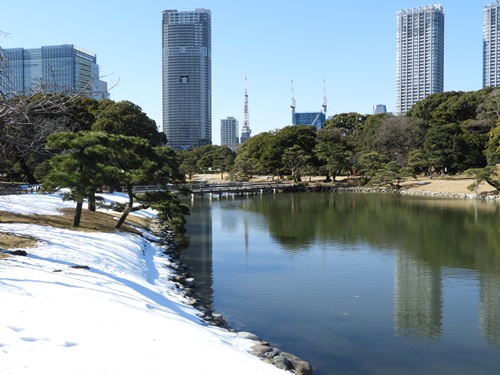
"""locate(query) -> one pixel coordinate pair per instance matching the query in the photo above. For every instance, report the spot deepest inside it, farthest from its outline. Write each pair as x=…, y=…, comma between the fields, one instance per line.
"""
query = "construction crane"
x=324, y=97
x=323, y=106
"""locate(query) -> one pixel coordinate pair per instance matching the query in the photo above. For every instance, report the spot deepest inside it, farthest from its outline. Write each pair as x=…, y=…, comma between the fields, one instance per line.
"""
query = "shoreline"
x=423, y=193
x=427, y=185
x=186, y=286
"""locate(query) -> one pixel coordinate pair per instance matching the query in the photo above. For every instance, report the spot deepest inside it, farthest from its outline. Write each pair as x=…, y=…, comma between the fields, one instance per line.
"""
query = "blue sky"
x=349, y=44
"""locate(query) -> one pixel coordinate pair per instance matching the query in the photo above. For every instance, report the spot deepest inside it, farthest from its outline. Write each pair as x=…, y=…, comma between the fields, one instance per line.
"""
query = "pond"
x=356, y=283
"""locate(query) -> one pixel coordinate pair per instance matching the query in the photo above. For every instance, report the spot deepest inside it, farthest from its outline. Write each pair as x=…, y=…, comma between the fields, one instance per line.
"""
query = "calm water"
x=356, y=283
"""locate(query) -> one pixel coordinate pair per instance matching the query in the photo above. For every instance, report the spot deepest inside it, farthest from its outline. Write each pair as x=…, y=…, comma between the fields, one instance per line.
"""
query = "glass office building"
x=419, y=54
x=378, y=109
x=491, y=46
x=63, y=69
x=187, y=78
x=316, y=119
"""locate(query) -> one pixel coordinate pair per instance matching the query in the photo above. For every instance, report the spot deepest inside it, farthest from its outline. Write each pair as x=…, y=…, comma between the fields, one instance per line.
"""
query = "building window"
x=184, y=79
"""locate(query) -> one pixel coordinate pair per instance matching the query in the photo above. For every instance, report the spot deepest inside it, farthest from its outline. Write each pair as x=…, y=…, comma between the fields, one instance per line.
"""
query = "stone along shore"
x=425, y=193
x=187, y=286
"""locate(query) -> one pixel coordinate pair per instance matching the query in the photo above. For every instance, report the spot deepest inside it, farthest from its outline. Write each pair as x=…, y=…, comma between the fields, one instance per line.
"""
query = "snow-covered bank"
x=122, y=315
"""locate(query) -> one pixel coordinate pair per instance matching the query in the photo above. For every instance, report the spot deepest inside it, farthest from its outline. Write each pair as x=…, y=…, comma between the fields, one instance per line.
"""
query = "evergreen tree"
x=81, y=166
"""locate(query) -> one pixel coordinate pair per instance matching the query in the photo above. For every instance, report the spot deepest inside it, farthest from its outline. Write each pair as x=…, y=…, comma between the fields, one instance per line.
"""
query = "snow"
x=122, y=315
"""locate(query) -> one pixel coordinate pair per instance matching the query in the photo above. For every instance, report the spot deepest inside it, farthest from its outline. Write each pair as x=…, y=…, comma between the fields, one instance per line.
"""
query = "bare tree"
x=397, y=136
x=27, y=118
x=25, y=123
x=489, y=108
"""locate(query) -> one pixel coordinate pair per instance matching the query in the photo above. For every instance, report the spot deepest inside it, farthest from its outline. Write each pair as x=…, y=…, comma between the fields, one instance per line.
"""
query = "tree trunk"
x=78, y=214
x=297, y=177
x=91, y=205
x=125, y=213
x=493, y=183
x=30, y=177
x=128, y=207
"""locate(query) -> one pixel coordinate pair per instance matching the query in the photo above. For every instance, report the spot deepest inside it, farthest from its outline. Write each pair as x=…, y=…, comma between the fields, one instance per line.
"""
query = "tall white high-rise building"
x=229, y=132
x=187, y=78
x=491, y=46
x=419, y=54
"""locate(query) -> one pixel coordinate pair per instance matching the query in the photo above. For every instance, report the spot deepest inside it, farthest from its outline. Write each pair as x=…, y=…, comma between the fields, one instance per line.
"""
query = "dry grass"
x=90, y=222
x=12, y=241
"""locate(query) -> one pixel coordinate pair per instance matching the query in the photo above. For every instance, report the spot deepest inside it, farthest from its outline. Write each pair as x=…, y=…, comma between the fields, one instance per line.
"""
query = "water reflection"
x=200, y=256
x=434, y=245
x=417, y=297
x=490, y=307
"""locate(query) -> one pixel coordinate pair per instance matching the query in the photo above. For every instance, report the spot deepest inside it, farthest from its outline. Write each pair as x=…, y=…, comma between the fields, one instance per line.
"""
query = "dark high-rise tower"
x=187, y=78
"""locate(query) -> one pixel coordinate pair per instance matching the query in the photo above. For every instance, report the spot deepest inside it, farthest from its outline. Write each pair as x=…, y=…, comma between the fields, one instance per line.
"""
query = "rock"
x=218, y=319
x=190, y=282
x=281, y=362
x=302, y=368
x=80, y=267
x=19, y=252
x=248, y=335
x=273, y=353
x=299, y=366
x=261, y=350
x=180, y=279
x=291, y=357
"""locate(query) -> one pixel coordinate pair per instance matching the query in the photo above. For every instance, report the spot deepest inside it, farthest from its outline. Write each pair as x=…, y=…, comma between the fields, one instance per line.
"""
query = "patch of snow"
x=122, y=315
x=25, y=204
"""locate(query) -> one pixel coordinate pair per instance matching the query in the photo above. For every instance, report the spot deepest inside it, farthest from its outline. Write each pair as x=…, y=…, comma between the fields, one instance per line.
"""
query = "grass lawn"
x=90, y=222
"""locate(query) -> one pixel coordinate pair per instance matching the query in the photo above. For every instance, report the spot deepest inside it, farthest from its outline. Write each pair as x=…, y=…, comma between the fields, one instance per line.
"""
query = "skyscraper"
x=491, y=47
x=187, y=78
x=229, y=132
x=419, y=54
x=55, y=69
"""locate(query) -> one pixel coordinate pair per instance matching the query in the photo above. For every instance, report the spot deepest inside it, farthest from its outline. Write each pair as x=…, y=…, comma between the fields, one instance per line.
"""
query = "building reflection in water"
x=418, y=304
x=198, y=256
x=490, y=307
x=417, y=297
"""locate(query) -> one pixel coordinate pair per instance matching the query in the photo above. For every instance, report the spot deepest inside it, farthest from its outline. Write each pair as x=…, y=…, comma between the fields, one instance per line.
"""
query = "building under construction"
x=316, y=119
